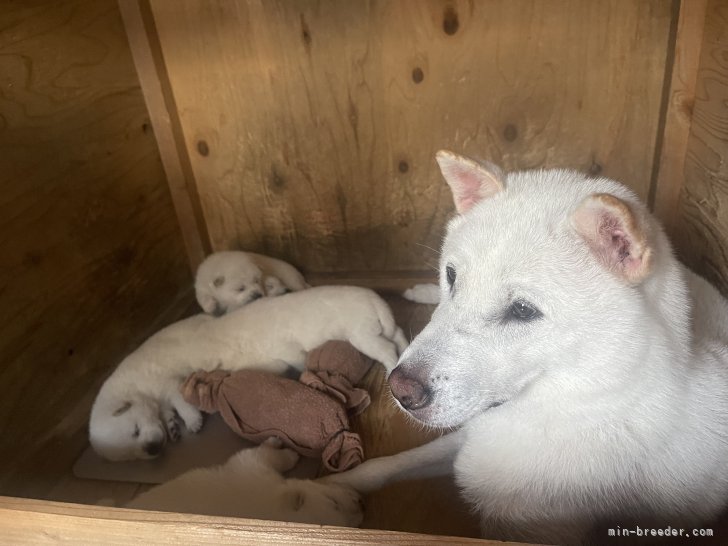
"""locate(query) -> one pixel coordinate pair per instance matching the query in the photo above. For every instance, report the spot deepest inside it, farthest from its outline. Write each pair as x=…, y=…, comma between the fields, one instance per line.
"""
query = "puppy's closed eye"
x=123, y=409
x=218, y=282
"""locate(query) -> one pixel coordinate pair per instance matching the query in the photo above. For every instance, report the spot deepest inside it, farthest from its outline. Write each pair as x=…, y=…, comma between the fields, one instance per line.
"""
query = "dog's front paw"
x=171, y=424
x=190, y=415
x=274, y=287
x=278, y=457
x=349, y=503
x=326, y=504
x=193, y=422
x=274, y=442
x=173, y=430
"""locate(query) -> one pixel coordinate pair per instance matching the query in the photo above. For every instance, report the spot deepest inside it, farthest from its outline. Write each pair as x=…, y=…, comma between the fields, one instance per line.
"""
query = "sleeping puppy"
x=136, y=410
x=250, y=485
x=231, y=279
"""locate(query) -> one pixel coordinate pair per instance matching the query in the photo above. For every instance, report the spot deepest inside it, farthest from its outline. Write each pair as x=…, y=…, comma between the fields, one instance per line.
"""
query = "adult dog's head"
x=126, y=426
x=542, y=292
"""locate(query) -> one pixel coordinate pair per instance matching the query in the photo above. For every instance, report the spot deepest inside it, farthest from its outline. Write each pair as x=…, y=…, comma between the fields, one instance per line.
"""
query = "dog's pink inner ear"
x=469, y=181
x=614, y=235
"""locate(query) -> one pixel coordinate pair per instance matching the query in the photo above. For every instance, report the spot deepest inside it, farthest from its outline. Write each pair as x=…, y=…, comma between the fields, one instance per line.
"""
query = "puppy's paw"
x=276, y=456
x=348, y=502
x=173, y=430
x=274, y=442
x=316, y=502
x=274, y=287
x=193, y=423
x=171, y=424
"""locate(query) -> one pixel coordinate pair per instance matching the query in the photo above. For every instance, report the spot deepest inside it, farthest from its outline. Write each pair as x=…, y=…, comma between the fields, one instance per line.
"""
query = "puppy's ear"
x=122, y=409
x=615, y=236
x=469, y=181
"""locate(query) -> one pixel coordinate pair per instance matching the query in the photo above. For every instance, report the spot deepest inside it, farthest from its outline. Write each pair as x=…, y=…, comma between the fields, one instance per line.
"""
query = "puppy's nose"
x=409, y=390
x=255, y=296
x=153, y=448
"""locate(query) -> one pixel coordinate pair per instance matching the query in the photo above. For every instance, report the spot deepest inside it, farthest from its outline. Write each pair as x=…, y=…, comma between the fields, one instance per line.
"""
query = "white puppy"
x=250, y=485
x=563, y=347
x=423, y=293
x=134, y=412
x=230, y=279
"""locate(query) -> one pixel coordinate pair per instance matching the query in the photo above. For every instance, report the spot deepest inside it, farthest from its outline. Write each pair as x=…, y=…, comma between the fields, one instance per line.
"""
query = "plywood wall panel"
x=669, y=171
x=701, y=233
x=312, y=125
x=92, y=258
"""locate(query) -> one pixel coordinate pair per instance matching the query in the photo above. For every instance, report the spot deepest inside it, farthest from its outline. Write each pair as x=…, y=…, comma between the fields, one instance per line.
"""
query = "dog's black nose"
x=409, y=390
x=153, y=448
x=255, y=296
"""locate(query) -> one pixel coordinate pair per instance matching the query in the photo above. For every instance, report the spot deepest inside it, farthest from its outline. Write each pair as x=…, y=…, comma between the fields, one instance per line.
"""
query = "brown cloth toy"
x=308, y=416
x=335, y=368
x=257, y=405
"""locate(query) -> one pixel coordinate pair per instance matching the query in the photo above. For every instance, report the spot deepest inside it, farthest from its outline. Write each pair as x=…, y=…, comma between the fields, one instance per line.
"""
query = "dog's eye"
x=218, y=282
x=136, y=432
x=522, y=310
x=241, y=288
x=451, y=275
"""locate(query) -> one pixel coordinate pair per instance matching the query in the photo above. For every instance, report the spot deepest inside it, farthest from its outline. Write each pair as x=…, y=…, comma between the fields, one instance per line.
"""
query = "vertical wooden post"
x=150, y=66
x=669, y=172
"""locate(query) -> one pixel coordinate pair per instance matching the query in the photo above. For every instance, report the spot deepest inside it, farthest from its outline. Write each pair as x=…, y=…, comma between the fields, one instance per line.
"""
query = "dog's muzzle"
x=153, y=449
x=255, y=296
x=409, y=390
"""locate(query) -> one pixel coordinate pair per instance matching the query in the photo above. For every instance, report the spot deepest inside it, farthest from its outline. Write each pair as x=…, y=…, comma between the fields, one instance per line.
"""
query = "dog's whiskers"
x=429, y=248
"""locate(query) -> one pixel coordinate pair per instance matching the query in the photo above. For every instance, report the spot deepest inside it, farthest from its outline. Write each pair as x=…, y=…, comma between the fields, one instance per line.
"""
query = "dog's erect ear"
x=469, y=181
x=122, y=409
x=615, y=236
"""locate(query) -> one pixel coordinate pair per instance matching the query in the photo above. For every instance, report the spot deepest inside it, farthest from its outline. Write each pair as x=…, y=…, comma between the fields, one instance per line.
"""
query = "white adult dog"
x=250, y=485
x=231, y=279
x=134, y=413
x=586, y=367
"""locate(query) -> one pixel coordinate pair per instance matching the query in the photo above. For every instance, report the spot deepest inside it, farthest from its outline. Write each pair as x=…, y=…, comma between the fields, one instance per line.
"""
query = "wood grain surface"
x=701, y=233
x=669, y=172
x=150, y=68
x=26, y=521
x=312, y=125
x=92, y=258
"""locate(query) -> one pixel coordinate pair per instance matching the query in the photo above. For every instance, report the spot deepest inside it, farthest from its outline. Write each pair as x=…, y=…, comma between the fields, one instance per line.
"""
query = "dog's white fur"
x=250, y=485
x=134, y=412
x=609, y=409
x=426, y=293
x=230, y=279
